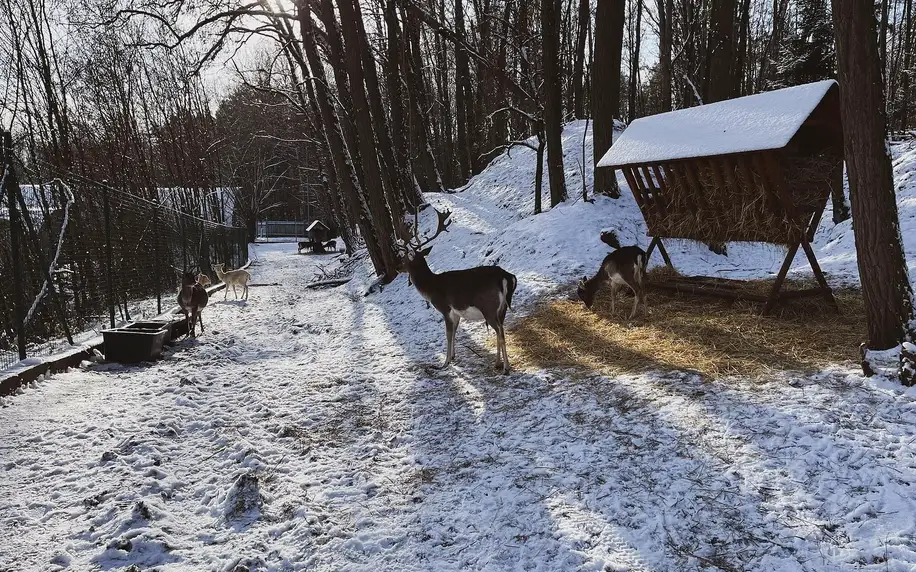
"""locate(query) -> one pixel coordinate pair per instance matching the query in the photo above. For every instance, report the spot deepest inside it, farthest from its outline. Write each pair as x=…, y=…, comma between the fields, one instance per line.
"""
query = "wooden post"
x=108, y=257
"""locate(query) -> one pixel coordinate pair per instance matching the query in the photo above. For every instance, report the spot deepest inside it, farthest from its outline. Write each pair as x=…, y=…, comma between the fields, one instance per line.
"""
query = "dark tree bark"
x=720, y=75
x=343, y=164
x=882, y=266
x=553, y=107
x=665, y=9
x=376, y=180
x=609, y=23
x=744, y=39
x=907, y=62
x=464, y=99
x=634, y=63
x=579, y=62
x=882, y=39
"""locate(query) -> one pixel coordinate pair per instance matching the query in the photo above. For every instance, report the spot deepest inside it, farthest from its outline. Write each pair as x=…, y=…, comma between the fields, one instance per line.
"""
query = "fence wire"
x=106, y=257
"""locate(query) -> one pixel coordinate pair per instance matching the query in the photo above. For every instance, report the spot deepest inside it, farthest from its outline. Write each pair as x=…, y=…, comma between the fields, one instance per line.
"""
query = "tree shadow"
x=685, y=470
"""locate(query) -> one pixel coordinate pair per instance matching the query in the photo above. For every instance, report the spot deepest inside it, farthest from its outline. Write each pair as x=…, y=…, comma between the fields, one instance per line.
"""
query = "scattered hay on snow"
x=714, y=337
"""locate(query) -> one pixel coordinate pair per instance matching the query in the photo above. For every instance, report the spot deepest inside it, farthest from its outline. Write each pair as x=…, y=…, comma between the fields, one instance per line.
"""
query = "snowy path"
x=364, y=461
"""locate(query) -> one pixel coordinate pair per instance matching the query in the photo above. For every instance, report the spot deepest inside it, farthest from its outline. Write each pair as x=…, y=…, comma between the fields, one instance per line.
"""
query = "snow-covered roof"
x=759, y=122
x=314, y=224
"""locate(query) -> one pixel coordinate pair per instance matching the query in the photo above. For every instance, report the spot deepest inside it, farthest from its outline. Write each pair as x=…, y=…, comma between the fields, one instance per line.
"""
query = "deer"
x=192, y=298
x=479, y=293
x=203, y=280
x=233, y=278
x=624, y=266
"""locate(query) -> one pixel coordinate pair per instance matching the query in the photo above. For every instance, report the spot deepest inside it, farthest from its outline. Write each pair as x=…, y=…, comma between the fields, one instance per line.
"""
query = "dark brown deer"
x=624, y=266
x=480, y=293
x=192, y=297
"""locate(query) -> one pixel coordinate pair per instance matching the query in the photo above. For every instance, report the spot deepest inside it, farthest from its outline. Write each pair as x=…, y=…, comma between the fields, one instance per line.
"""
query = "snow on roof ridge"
x=757, y=122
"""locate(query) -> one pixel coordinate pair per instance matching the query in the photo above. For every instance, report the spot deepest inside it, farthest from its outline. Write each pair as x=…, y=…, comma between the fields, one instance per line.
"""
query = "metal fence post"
x=157, y=258
x=12, y=189
x=108, y=257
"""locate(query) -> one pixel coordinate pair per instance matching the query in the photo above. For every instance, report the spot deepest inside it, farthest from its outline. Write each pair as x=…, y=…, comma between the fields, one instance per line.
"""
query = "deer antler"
x=441, y=226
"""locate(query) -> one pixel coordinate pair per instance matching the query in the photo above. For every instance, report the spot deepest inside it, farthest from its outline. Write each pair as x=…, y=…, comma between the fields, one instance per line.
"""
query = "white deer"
x=233, y=278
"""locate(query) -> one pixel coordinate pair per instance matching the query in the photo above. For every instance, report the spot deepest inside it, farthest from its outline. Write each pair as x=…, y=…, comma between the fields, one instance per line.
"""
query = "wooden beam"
x=780, y=278
x=819, y=276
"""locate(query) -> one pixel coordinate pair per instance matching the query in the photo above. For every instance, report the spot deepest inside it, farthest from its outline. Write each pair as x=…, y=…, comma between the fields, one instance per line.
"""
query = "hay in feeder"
x=729, y=207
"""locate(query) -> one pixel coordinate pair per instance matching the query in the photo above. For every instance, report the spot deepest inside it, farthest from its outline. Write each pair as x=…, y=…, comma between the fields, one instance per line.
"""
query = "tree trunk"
x=721, y=50
x=539, y=171
x=744, y=38
x=665, y=15
x=334, y=138
x=579, y=63
x=609, y=23
x=553, y=107
x=882, y=266
x=464, y=100
x=907, y=62
x=634, y=63
x=882, y=40
x=376, y=180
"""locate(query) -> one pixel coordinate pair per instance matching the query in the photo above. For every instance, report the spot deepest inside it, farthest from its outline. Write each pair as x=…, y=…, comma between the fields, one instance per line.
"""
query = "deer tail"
x=509, y=284
x=640, y=270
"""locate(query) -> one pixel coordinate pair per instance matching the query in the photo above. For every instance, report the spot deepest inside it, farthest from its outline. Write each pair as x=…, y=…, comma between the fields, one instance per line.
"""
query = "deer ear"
x=425, y=252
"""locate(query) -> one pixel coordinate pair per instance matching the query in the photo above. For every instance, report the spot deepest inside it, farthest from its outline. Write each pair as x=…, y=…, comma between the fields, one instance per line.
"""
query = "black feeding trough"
x=137, y=341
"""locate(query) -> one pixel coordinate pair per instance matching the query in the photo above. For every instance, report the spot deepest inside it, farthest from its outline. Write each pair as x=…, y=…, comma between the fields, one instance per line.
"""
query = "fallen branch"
x=327, y=283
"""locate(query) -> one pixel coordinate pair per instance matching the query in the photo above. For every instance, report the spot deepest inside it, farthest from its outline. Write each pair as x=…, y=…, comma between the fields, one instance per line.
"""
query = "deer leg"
x=200, y=318
x=226, y=292
x=193, y=323
x=450, y=327
x=501, y=347
x=636, y=297
x=613, y=298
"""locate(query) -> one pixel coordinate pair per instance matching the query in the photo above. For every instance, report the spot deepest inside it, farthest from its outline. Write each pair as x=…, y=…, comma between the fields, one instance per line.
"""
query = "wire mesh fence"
x=90, y=256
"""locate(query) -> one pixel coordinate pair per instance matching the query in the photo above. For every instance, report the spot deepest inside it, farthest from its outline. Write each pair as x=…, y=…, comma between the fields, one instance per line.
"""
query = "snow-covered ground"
x=304, y=431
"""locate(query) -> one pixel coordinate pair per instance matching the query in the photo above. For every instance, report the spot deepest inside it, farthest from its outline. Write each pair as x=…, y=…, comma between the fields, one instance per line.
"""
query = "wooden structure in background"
x=758, y=169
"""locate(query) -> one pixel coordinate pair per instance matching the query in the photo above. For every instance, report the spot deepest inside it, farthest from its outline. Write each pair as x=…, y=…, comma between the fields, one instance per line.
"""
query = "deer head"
x=585, y=293
x=416, y=247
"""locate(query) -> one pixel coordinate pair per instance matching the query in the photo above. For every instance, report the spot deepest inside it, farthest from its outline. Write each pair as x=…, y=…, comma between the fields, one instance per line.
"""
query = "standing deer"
x=192, y=297
x=480, y=293
x=623, y=266
x=233, y=278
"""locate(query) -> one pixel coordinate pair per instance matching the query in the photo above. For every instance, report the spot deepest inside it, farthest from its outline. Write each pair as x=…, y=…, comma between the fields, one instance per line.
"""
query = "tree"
x=882, y=266
x=609, y=23
x=808, y=55
x=720, y=70
x=553, y=107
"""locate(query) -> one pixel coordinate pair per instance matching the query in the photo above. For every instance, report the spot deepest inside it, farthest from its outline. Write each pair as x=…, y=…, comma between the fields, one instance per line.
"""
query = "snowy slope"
x=492, y=224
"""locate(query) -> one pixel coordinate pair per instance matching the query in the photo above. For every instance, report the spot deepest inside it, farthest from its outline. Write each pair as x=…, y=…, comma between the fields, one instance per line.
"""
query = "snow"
x=304, y=430
x=758, y=122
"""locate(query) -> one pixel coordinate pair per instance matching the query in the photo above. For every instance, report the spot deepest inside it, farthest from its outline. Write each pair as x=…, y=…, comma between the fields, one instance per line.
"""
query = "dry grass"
x=732, y=208
x=714, y=337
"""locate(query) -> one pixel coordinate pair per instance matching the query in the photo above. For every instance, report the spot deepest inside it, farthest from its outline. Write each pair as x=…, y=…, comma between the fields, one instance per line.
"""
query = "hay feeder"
x=754, y=169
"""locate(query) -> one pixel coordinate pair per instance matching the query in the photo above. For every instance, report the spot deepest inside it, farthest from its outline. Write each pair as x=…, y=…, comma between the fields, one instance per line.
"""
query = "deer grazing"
x=233, y=278
x=192, y=298
x=623, y=266
x=480, y=293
